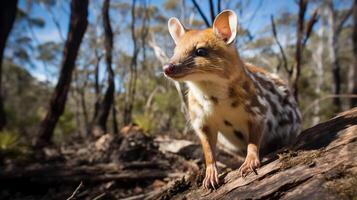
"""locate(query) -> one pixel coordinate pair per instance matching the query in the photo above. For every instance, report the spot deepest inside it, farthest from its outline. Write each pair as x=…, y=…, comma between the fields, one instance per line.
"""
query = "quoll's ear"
x=225, y=25
x=176, y=29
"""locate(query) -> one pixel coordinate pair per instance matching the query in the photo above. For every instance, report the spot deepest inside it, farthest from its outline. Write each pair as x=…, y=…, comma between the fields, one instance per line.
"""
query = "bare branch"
x=331, y=96
x=310, y=24
x=283, y=55
x=211, y=8
x=219, y=2
x=201, y=13
x=75, y=191
x=343, y=21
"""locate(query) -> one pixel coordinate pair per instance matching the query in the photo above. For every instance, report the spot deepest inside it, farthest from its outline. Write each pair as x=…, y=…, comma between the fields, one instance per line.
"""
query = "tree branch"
x=211, y=8
x=219, y=6
x=201, y=13
x=312, y=21
x=75, y=191
x=331, y=96
x=283, y=55
x=343, y=21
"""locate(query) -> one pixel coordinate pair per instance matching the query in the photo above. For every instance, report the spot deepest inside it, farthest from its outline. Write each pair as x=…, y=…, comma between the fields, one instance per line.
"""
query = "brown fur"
x=226, y=95
x=194, y=39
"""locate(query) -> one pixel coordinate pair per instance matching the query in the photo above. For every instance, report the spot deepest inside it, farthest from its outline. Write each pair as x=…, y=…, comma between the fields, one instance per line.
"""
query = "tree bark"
x=101, y=119
x=77, y=27
x=7, y=19
x=354, y=39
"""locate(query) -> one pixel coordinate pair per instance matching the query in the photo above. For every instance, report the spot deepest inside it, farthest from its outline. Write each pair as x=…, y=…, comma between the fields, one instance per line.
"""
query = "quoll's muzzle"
x=172, y=70
x=169, y=69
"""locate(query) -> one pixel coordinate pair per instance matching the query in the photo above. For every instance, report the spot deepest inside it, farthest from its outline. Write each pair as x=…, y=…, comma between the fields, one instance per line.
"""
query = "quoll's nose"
x=169, y=69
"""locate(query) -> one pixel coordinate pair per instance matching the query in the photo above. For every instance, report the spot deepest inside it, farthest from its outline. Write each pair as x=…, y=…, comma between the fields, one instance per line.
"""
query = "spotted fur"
x=247, y=108
x=260, y=101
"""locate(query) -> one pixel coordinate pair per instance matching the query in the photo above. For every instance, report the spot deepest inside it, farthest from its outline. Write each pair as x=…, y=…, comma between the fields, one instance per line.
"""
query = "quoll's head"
x=203, y=54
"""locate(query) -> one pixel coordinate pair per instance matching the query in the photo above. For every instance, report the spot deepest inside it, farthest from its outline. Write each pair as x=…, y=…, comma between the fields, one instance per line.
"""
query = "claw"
x=255, y=171
x=213, y=184
x=211, y=179
x=216, y=179
x=250, y=164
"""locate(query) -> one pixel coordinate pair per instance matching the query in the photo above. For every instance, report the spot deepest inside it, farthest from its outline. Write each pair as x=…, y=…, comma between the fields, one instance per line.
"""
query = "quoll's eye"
x=201, y=52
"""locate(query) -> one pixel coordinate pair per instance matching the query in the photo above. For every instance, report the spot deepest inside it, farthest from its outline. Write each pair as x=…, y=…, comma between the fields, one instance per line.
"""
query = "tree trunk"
x=7, y=18
x=84, y=105
x=317, y=56
x=335, y=66
x=299, y=47
x=144, y=33
x=96, y=85
x=77, y=112
x=354, y=38
x=115, y=120
x=130, y=97
x=77, y=27
x=100, y=120
x=81, y=103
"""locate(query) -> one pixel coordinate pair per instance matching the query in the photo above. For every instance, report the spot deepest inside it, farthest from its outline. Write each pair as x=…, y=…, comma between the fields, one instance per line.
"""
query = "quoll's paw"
x=211, y=179
x=250, y=164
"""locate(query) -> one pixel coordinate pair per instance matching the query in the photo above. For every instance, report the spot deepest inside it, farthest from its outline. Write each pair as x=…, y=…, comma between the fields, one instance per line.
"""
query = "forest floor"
x=321, y=164
x=126, y=166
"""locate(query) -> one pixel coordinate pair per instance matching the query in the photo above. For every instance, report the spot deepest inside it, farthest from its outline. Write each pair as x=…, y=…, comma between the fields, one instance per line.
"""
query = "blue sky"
x=246, y=19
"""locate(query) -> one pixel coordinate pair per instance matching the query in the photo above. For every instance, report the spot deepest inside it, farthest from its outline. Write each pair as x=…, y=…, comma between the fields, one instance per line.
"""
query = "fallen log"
x=321, y=164
x=60, y=174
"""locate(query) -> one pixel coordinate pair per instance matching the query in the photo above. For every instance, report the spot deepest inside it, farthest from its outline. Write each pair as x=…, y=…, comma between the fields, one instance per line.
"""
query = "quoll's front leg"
x=208, y=139
x=252, y=161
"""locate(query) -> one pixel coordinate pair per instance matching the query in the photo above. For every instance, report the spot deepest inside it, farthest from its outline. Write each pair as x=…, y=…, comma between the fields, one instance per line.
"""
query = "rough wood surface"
x=322, y=164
